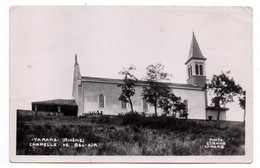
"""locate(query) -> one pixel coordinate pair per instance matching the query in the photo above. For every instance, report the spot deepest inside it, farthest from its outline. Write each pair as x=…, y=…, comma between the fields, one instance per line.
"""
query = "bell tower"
x=196, y=64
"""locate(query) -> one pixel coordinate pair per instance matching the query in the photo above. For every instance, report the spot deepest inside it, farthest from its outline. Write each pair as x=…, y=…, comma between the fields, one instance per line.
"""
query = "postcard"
x=131, y=84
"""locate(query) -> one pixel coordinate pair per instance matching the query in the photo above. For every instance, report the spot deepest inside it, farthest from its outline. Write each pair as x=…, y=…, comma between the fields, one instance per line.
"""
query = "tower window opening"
x=201, y=70
x=197, y=69
x=190, y=71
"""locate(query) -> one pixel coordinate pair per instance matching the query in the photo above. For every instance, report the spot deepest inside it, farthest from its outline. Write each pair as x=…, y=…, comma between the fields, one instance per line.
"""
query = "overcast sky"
x=43, y=41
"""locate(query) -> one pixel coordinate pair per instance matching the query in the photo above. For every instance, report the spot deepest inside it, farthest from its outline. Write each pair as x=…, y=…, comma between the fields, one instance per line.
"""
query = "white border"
x=247, y=158
x=4, y=121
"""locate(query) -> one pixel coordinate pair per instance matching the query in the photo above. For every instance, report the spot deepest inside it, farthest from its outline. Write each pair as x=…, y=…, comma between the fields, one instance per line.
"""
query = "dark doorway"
x=210, y=118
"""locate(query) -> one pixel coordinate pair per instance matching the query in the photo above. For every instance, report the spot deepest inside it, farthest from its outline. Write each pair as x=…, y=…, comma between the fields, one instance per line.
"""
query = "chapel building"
x=102, y=94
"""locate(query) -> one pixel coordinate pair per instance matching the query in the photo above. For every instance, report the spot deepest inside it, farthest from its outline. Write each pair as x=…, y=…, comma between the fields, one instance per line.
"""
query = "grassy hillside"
x=128, y=135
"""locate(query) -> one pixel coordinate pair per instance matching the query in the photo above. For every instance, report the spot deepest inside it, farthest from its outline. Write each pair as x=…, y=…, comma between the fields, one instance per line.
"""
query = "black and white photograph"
x=144, y=84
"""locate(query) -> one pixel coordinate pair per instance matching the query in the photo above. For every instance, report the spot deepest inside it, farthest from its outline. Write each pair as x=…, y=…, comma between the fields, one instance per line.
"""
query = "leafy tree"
x=172, y=104
x=224, y=89
x=242, y=100
x=156, y=89
x=128, y=87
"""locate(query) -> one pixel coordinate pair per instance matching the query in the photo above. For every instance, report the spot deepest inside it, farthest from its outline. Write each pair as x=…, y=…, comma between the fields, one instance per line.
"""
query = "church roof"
x=195, y=52
x=68, y=102
x=139, y=82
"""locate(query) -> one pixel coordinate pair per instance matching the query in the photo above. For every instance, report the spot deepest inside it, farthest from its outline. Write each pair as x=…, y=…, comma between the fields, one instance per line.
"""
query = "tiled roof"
x=215, y=108
x=139, y=82
x=68, y=102
x=195, y=52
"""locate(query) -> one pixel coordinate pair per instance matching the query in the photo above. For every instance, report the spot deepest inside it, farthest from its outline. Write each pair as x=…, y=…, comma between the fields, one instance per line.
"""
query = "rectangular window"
x=123, y=105
x=145, y=105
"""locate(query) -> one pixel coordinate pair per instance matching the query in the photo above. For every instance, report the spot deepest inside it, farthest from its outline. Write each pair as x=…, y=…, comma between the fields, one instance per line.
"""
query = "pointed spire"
x=195, y=49
x=76, y=79
x=76, y=59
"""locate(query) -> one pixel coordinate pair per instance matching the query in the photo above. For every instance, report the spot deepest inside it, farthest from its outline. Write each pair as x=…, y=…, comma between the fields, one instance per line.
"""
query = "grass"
x=129, y=135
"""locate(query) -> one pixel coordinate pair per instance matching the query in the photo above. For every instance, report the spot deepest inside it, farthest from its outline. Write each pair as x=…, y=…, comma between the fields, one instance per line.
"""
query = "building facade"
x=102, y=94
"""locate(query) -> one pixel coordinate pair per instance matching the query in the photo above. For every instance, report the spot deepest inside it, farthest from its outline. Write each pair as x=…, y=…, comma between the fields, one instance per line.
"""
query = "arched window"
x=145, y=105
x=197, y=69
x=186, y=104
x=101, y=100
x=123, y=105
x=185, y=111
x=201, y=70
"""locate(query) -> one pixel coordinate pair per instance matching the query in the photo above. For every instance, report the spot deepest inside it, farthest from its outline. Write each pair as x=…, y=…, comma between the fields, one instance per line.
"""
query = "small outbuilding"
x=212, y=113
x=67, y=107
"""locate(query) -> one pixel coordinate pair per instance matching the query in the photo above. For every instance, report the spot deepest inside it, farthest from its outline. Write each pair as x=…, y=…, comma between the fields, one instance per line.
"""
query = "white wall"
x=214, y=114
x=196, y=102
x=91, y=92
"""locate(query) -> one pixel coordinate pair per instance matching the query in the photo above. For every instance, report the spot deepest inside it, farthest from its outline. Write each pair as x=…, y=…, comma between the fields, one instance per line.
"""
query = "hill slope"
x=127, y=135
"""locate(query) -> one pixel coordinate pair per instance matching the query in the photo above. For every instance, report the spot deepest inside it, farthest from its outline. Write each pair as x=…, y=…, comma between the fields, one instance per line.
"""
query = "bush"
x=153, y=122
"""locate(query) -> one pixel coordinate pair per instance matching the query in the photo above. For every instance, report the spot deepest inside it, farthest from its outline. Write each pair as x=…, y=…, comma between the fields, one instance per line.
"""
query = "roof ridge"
x=58, y=101
x=141, y=81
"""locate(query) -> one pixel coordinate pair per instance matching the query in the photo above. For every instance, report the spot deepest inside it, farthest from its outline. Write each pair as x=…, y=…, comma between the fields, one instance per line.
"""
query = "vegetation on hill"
x=129, y=134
